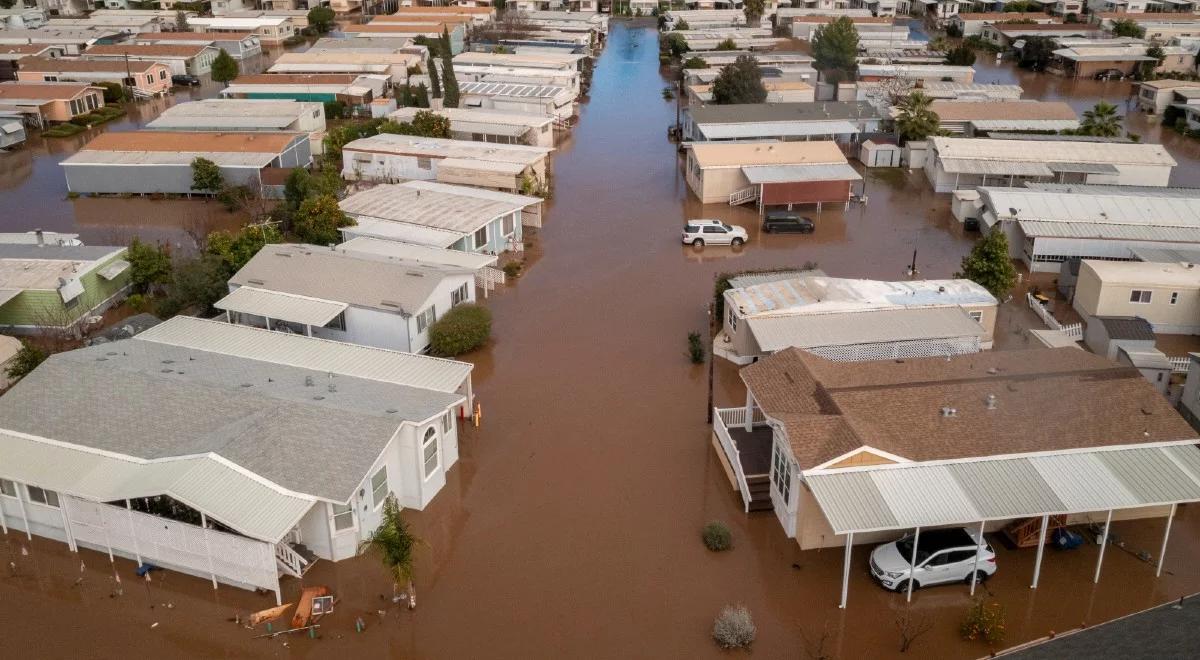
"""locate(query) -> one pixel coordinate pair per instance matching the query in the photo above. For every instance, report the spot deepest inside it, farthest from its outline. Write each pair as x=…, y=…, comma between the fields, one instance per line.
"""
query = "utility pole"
x=708, y=415
x=128, y=75
x=912, y=270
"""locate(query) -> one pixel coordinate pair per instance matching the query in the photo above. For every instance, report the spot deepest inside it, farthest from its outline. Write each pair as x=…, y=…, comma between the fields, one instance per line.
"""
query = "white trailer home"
x=226, y=452
x=391, y=158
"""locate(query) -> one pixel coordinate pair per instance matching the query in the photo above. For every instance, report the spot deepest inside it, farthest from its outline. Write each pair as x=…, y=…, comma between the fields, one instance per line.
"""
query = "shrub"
x=695, y=348
x=717, y=536
x=695, y=63
x=462, y=329
x=335, y=109
x=512, y=269
x=26, y=360
x=734, y=629
x=983, y=621
x=63, y=130
x=139, y=303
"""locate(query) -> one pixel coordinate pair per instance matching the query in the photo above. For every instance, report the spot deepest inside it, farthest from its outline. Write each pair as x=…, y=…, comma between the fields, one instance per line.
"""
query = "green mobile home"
x=55, y=287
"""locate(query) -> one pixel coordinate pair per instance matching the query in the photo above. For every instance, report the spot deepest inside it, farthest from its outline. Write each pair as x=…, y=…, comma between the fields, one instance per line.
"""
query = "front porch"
x=745, y=450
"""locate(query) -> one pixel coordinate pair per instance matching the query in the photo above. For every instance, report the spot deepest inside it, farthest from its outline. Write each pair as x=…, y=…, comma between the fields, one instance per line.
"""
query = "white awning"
x=800, y=173
x=113, y=270
x=905, y=496
x=8, y=294
x=776, y=129
x=995, y=167
x=281, y=306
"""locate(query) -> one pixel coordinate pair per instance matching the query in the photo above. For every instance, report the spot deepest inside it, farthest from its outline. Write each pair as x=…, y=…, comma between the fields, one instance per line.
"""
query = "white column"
x=107, y=540
x=912, y=565
x=207, y=550
x=227, y=317
x=1162, y=553
x=24, y=514
x=749, y=410
x=846, y=569
x=268, y=321
x=137, y=553
x=978, y=551
x=278, y=592
x=1103, y=545
x=3, y=522
x=307, y=330
x=1037, y=565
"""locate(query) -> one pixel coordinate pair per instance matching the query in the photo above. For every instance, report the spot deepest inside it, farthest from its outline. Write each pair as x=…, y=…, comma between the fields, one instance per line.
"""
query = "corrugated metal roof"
x=1110, y=231
x=777, y=128
x=281, y=306
x=775, y=333
x=457, y=209
x=510, y=89
x=1024, y=124
x=904, y=496
x=409, y=252
x=1027, y=149
x=322, y=355
x=995, y=167
x=221, y=158
x=402, y=232
x=800, y=173
x=205, y=483
x=217, y=122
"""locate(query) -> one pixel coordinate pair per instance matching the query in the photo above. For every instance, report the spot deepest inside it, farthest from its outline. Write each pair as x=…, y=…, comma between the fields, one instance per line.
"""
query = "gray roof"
x=750, y=279
x=1126, y=327
x=57, y=252
x=150, y=400
x=775, y=333
x=1127, y=191
x=781, y=112
x=1167, y=632
x=459, y=210
x=1166, y=255
x=339, y=276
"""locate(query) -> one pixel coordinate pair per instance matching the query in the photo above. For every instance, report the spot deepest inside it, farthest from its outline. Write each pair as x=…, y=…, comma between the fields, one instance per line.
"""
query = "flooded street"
x=570, y=527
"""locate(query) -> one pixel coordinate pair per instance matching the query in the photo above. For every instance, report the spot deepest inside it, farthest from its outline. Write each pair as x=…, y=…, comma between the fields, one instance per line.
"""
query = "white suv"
x=700, y=232
x=943, y=555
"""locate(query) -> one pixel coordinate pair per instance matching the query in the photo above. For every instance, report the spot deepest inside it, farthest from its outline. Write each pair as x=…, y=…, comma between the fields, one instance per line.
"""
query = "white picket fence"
x=1073, y=330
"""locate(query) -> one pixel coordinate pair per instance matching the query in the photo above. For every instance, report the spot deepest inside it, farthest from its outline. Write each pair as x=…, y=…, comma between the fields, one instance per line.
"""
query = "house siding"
x=41, y=307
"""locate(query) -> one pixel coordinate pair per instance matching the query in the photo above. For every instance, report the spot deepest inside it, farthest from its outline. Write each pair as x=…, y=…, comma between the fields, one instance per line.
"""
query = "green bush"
x=462, y=329
x=63, y=130
x=512, y=269
x=983, y=622
x=26, y=360
x=695, y=348
x=717, y=536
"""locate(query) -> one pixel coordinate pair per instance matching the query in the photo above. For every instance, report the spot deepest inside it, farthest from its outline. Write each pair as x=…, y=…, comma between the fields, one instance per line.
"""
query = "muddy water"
x=570, y=526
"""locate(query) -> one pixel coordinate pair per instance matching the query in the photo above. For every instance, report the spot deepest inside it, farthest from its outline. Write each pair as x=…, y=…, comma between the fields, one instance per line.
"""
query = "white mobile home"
x=393, y=158
x=494, y=127
x=544, y=100
x=246, y=115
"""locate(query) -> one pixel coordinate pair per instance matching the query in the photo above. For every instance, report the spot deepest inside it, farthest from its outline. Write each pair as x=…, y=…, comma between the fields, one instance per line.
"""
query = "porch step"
x=309, y=556
x=760, y=492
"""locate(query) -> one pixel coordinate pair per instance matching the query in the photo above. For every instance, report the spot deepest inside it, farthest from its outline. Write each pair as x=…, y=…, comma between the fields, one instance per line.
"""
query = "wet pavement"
x=571, y=525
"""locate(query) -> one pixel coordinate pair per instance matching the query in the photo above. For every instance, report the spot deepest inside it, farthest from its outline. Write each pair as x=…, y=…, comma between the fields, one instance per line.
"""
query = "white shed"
x=879, y=154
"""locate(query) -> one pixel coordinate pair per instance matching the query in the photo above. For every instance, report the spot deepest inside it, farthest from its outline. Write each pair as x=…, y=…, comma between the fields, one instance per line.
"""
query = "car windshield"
x=905, y=546
x=727, y=227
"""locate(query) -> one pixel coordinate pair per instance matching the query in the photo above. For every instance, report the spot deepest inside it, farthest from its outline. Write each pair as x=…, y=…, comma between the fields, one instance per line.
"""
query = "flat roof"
x=776, y=129
x=44, y=267
x=192, y=36
x=280, y=112
x=478, y=116
x=191, y=142
x=1009, y=110
x=750, y=113
x=1041, y=151
x=515, y=90
x=775, y=333
x=1144, y=272
x=1091, y=207
x=459, y=210
x=738, y=154
x=813, y=294
x=387, y=143
x=281, y=306
x=419, y=254
x=296, y=79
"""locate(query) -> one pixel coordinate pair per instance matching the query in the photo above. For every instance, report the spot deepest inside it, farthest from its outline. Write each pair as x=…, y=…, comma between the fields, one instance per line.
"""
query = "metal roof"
x=456, y=209
x=1028, y=149
x=1024, y=124
x=775, y=333
x=1166, y=255
x=206, y=483
x=904, y=496
x=995, y=167
x=1083, y=168
x=757, y=113
x=1106, y=189
x=510, y=89
x=1109, y=231
x=411, y=253
x=281, y=306
x=816, y=294
x=257, y=160
x=330, y=357
x=1092, y=206
x=779, y=128
x=402, y=232
x=757, y=174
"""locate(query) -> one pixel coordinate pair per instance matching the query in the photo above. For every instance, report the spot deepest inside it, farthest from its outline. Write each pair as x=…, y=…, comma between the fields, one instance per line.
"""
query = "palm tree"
x=1101, y=121
x=394, y=543
x=916, y=120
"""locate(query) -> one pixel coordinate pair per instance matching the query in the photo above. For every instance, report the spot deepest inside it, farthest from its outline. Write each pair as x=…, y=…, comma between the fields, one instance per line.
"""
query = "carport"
x=980, y=490
x=805, y=183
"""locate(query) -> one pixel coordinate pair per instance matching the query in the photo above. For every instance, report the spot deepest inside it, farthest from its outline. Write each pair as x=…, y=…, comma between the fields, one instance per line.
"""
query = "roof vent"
x=391, y=411
x=949, y=412
x=255, y=282
x=990, y=402
x=246, y=385
x=332, y=387
x=389, y=303
x=308, y=381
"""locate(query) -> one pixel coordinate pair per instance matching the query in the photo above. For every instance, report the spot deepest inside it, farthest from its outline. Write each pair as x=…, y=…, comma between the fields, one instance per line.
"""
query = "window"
x=343, y=517
x=459, y=295
x=149, y=79
x=1174, y=297
x=481, y=237
x=379, y=486
x=957, y=556
x=447, y=422
x=429, y=450
x=8, y=488
x=508, y=225
x=1140, y=297
x=42, y=496
x=732, y=320
x=92, y=103
x=424, y=163
x=426, y=319
x=976, y=316
x=129, y=82
x=50, y=78
x=781, y=474
x=477, y=137
x=713, y=229
x=338, y=322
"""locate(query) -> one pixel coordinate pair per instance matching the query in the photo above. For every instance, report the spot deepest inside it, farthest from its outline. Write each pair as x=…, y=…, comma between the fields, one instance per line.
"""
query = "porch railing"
x=1073, y=330
x=289, y=560
x=723, y=419
x=1179, y=365
x=744, y=195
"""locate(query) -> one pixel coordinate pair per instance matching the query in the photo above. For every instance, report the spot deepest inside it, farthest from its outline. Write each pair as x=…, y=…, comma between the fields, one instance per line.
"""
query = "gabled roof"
x=63, y=65
x=148, y=50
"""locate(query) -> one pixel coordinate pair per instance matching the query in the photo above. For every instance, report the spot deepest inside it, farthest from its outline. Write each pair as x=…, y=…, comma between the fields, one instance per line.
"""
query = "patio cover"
x=995, y=167
x=8, y=294
x=748, y=130
x=1084, y=168
x=906, y=496
x=281, y=306
x=757, y=174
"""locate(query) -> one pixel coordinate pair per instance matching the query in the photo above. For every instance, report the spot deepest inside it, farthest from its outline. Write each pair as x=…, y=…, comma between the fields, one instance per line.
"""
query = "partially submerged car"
x=942, y=556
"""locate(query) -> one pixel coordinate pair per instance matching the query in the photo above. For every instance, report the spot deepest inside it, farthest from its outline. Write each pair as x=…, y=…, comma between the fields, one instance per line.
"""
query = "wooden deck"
x=754, y=448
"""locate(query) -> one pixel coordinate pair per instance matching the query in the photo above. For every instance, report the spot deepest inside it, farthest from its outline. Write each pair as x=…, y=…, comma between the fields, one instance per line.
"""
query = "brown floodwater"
x=570, y=526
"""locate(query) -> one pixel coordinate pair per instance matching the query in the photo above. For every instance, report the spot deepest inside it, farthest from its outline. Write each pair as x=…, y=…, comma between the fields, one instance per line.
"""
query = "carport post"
x=1037, y=564
x=978, y=551
x=749, y=426
x=912, y=565
x=846, y=569
x=1162, y=553
x=1103, y=544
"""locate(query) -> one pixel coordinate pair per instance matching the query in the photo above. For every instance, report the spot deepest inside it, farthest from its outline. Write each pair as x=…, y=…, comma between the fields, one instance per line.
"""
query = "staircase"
x=760, y=492
x=744, y=195
x=140, y=93
x=1024, y=533
x=294, y=559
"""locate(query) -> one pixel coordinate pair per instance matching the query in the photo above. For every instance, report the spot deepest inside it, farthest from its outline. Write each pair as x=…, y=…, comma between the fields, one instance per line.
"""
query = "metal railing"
x=731, y=451
x=1073, y=330
x=744, y=195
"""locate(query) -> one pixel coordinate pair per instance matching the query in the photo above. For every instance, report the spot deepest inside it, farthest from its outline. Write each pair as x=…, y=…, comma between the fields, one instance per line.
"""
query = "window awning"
x=281, y=306
x=113, y=270
x=757, y=174
x=912, y=495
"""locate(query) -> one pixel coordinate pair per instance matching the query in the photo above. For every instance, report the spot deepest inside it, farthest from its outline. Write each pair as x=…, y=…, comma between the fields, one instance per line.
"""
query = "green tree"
x=835, y=47
x=197, y=282
x=114, y=92
x=224, y=68
x=435, y=84
x=695, y=63
x=727, y=44
x=739, y=82
x=460, y=330
x=1036, y=53
x=395, y=544
x=753, y=9
x=1101, y=121
x=235, y=249
x=206, y=176
x=675, y=45
x=1146, y=69
x=321, y=19
x=917, y=120
x=149, y=266
x=25, y=361
x=449, y=82
x=682, y=25
x=961, y=56
x=1125, y=27
x=989, y=265
x=1021, y=6
x=297, y=187
x=318, y=220
x=425, y=124
x=181, y=22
